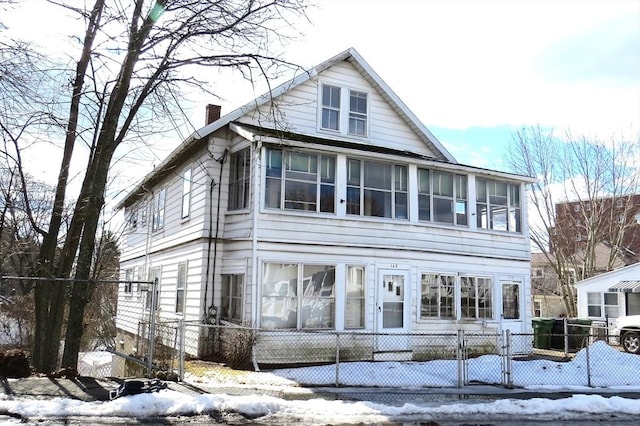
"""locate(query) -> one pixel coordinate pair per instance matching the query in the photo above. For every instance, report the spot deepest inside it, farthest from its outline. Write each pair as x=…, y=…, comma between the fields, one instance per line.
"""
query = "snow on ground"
x=609, y=367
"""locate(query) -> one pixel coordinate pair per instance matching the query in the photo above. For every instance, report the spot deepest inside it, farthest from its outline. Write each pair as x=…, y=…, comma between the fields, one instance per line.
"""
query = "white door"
x=392, y=310
x=512, y=315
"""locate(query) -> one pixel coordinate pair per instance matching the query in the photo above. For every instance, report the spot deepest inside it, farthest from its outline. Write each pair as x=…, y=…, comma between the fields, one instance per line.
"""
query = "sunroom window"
x=300, y=181
x=498, y=205
x=377, y=189
x=298, y=296
x=442, y=197
x=437, y=296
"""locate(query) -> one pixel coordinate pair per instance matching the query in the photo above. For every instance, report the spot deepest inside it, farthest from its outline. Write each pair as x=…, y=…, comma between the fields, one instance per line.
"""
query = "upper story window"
x=132, y=223
x=442, y=197
x=377, y=189
x=330, y=107
x=344, y=110
x=300, y=181
x=239, y=178
x=157, y=220
x=498, y=205
x=186, y=193
x=357, y=113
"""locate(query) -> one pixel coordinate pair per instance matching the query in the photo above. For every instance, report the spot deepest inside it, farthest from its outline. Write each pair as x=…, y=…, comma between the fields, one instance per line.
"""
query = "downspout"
x=257, y=200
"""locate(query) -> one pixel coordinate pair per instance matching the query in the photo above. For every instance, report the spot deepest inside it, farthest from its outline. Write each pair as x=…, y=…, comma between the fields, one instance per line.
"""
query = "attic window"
x=330, y=107
x=344, y=110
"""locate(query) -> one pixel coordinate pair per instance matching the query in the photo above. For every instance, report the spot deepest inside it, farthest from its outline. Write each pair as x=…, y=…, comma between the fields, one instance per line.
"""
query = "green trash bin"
x=542, y=332
x=579, y=331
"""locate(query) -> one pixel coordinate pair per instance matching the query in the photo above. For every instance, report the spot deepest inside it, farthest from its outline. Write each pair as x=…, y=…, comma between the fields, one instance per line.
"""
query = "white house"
x=327, y=205
x=610, y=295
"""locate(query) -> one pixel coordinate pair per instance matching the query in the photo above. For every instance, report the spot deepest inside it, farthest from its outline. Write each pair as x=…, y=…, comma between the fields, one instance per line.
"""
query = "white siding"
x=298, y=112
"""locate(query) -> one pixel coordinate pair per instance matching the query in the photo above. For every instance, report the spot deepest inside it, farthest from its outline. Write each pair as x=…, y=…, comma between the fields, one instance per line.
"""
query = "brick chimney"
x=213, y=113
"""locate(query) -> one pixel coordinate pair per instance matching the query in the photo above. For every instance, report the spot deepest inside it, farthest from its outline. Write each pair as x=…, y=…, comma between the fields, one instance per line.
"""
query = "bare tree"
x=584, y=189
x=135, y=59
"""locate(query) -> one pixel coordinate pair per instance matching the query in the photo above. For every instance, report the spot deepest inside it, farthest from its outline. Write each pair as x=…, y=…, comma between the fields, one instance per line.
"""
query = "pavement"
x=94, y=389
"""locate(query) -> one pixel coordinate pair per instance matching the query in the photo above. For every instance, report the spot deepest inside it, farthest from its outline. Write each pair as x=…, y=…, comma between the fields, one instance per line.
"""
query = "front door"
x=511, y=315
x=392, y=310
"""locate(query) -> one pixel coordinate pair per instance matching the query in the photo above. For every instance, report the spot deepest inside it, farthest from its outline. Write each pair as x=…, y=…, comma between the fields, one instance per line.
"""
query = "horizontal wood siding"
x=298, y=112
x=303, y=229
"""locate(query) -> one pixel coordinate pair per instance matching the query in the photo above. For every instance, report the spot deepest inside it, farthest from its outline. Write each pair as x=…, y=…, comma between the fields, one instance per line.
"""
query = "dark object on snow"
x=134, y=387
x=14, y=364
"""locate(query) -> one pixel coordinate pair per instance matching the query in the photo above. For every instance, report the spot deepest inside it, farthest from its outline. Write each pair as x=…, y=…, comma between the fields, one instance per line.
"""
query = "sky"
x=543, y=375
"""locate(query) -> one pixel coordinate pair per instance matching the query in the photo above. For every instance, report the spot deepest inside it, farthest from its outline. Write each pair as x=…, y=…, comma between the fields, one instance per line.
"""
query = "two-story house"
x=327, y=205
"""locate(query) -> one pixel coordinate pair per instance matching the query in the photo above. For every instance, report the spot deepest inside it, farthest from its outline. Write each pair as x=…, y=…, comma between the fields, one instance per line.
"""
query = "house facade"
x=608, y=296
x=326, y=206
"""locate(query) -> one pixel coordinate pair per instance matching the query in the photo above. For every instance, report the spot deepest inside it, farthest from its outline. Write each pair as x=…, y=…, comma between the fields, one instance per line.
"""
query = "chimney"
x=213, y=113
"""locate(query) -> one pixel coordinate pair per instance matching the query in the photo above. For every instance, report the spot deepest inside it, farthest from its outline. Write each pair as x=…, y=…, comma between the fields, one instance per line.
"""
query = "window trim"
x=236, y=182
x=512, y=188
x=187, y=176
x=159, y=210
x=181, y=287
x=227, y=300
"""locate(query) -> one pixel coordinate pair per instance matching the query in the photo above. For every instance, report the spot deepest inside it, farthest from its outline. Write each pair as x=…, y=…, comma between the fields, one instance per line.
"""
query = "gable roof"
x=629, y=273
x=198, y=139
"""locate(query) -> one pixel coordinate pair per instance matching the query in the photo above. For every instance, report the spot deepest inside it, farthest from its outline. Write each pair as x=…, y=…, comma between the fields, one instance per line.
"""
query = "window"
x=475, y=297
x=330, y=107
x=354, y=306
x=181, y=284
x=538, y=273
x=133, y=219
x=576, y=208
x=157, y=220
x=300, y=181
x=498, y=205
x=344, y=110
x=186, y=193
x=357, y=113
x=597, y=303
x=239, y=173
x=297, y=296
x=128, y=277
x=442, y=197
x=377, y=189
x=232, y=297
x=437, y=292
x=511, y=301
x=153, y=290
x=537, y=309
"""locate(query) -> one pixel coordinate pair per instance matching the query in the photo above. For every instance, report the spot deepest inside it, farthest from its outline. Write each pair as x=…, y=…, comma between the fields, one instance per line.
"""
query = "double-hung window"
x=357, y=113
x=232, y=297
x=599, y=303
x=128, y=277
x=157, y=220
x=239, y=173
x=300, y=181
x=298, y=296
x=354, y=306
x=442, y=197
x=498, y=205
x=344, y=110
x=377, y=189
x=330, y=107
x=181, y=284
x=186, y=193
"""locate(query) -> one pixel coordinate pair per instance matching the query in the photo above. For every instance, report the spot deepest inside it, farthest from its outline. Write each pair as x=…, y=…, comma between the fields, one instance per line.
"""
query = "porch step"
x=399, y=355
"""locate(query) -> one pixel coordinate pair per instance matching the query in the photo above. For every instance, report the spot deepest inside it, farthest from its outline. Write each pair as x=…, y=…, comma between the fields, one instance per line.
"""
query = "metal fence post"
x=509, y=361
x=566, y=336
x=459, y=357
x=337, y=359
x=181, y=349
x=588, y=366
x=152, y=326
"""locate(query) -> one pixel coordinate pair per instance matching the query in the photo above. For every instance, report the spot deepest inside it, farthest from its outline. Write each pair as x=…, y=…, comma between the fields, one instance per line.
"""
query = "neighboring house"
x=545, y=289
x=610, y=295
x=586, y=228
x=343, y=214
